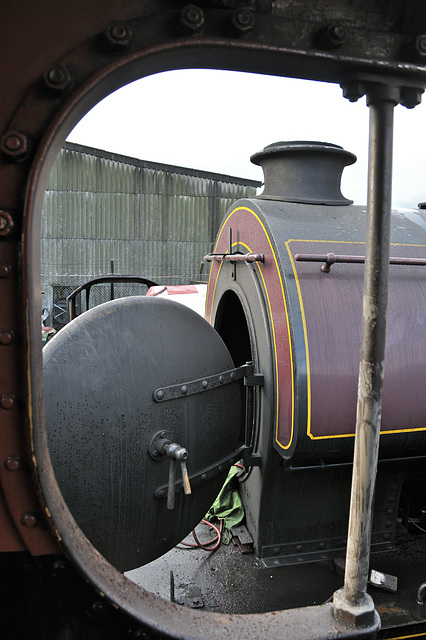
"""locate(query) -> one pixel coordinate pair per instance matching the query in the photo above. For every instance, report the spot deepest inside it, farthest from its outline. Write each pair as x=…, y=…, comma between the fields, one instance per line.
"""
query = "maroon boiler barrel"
x=298, y=315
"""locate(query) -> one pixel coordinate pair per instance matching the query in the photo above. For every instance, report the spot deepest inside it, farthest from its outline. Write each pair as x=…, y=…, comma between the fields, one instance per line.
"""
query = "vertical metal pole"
x=352, y=604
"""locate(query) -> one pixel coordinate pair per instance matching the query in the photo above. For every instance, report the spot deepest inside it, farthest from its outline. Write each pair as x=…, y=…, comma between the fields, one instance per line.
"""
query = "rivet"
x=5, y=268
x=321, y=545
x=184, y=389
x=58, y=568
x=7, y=336
x=276, y=550
x=204, y=476
x=332, y=36
x=389, y=523
x=6, y=225
x=221, y=379
x=13, y=463
x=159, y=394
x=220, y=468
x=204, y=384
x=161, y=493
x=14, y=144
x=387, y=535
x=191, y=19
x=299, y=547
x=242, y=19
x=232, y=375
x=57, y=79
x=7, y=401
x=415, y=48
x=391, y=499
x=118, y=36
x=97, y=610
x=389, y=512
x=29, y=520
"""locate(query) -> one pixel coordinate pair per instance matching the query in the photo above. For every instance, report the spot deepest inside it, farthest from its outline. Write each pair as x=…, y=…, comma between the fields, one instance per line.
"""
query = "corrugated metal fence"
x=145, y=218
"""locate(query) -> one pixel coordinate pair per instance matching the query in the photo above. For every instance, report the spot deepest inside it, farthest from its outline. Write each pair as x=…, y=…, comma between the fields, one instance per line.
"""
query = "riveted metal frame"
x=58, y=59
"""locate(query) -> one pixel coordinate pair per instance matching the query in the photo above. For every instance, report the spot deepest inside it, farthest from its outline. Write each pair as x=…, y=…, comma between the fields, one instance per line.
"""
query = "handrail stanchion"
x=352, y=604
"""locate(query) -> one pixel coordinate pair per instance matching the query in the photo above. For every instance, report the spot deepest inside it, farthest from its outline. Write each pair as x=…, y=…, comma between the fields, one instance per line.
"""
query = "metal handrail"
x=71, y=304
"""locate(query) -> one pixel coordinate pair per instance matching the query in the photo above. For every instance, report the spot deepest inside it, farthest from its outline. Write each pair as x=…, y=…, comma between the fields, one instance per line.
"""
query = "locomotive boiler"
x=142, y=436
x=285, y=291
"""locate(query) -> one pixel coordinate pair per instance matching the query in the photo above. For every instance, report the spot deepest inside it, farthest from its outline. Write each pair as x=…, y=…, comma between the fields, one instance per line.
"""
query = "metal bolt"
x=242, y=19
x=415, y=48
x=191, y=19
x=97, y=610
x=7, y=402
x=410, y=97
x=29, y=519
x=204, y=384
x=14, y=145
x=118, y=36
x=7, y=336
x=6, y=223
x=57, y=79
x=58, y=568
x=332, y=36
x=353, y=91
x=5, y=268
x=13, y=463
x=221, y=379
x=184, y=389
x=159, y=394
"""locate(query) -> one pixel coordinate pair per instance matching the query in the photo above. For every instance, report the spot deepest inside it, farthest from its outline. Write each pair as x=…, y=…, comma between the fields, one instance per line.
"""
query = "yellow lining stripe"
x=305, y=335
x=271, y=316
x=416, y=635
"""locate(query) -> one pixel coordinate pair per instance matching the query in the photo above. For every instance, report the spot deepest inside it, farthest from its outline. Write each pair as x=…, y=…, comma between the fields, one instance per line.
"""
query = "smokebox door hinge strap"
x=201, y=385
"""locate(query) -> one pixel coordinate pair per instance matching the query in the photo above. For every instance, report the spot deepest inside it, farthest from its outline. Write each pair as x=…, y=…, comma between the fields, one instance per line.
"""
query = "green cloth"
x=227, y=506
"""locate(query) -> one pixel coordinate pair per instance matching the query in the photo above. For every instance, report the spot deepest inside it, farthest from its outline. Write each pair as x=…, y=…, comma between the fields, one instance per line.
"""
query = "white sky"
x=214, y=120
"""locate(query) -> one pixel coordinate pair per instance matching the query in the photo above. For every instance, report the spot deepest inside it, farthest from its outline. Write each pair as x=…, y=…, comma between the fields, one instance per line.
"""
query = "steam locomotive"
x=273, y=381
x=114, y=455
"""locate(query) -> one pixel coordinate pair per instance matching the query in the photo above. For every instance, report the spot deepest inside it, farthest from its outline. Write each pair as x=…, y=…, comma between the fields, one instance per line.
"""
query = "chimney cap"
x=304, y=171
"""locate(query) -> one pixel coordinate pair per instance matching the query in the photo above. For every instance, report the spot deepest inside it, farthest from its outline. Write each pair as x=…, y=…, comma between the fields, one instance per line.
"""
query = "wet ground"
x=228, y=581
